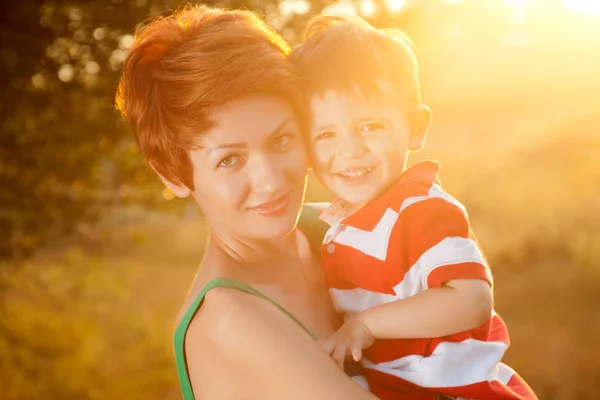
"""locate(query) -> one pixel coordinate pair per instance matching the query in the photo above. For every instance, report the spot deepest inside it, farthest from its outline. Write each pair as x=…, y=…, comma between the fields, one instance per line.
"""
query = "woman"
x=212, y=100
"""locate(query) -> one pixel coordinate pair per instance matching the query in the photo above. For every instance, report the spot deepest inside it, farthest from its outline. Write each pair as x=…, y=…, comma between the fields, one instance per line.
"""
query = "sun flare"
x=589, y=7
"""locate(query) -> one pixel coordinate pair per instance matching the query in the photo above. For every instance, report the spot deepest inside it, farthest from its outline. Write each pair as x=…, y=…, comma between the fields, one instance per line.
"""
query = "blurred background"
x=96, y=256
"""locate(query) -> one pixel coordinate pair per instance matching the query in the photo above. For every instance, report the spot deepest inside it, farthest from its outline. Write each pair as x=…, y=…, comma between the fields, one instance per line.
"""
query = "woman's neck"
x=263, y=252
x=285, y=262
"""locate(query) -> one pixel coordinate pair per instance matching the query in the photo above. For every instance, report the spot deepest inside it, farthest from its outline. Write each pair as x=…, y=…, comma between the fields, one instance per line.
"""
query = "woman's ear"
x=177, y=189
x=420, y=121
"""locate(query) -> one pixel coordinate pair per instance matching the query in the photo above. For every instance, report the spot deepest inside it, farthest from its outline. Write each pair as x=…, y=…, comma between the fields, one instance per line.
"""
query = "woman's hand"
x=349, y=340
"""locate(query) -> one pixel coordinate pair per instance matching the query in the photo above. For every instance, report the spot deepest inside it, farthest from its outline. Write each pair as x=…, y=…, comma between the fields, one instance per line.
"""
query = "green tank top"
x=312, y=227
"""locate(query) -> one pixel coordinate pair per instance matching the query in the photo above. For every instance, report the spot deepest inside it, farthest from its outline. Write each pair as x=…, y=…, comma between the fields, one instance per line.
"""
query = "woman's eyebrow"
x=240, y=145
x=278, y=129
x=228, y=146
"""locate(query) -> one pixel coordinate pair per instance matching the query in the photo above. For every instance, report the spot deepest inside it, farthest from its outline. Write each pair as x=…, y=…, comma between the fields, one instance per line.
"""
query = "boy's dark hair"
x=346, y=53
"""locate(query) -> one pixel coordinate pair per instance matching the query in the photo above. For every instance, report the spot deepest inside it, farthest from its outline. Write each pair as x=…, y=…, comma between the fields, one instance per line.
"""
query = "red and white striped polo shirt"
x=415, y=237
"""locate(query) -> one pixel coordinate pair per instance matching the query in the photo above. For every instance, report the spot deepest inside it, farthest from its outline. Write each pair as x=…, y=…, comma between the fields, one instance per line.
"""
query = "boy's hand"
x=350, y=339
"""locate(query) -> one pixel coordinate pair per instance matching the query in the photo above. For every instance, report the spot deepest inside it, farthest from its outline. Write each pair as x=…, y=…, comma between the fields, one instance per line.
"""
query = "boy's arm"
x=448, y=273
x=448, y=262
x=458, y=306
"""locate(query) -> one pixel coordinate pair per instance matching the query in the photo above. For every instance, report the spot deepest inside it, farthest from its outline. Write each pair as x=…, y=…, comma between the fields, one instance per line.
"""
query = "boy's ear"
x=421, y=119
x=178, y=190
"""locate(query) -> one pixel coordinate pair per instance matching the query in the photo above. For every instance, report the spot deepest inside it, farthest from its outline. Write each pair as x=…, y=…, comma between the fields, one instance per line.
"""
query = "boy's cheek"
x=319, y=165
x=321, y=161
x=317, y=157
x=316, y=165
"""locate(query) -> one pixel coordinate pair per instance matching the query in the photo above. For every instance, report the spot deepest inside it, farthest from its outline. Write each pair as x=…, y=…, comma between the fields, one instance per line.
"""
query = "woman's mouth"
x=273, y=207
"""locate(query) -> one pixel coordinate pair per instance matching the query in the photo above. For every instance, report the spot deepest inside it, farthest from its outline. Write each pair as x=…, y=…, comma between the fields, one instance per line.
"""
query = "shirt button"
x=330, y=248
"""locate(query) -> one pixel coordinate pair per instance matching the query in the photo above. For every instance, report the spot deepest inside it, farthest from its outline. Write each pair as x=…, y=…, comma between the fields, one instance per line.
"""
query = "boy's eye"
x=371, y=127
x=229, y=161
x=282, y=140
x=324, y=136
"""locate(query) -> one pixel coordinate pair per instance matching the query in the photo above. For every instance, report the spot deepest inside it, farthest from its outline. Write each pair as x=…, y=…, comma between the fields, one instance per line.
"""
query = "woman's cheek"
x=220, y=190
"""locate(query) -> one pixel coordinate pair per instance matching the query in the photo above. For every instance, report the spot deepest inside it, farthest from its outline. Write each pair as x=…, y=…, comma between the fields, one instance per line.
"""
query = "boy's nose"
x=352, y=147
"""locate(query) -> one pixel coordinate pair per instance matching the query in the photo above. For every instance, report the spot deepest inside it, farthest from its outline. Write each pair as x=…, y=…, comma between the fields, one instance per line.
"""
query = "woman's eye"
x=371, y=127
x=229, y=161
x=324, y=136
x=282, y=141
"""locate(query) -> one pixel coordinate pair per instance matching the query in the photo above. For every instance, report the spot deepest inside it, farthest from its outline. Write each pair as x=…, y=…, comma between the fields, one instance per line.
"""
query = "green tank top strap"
x=184, y=379
x=313, y=228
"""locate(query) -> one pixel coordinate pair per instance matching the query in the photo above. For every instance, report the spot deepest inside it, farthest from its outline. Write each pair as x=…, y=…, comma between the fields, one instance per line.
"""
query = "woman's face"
x=250, y=172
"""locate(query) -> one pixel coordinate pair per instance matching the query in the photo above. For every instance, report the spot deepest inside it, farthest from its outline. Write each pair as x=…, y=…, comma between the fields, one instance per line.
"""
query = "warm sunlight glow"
x=368, y=8
x=590, y=7
x=341, y=7
x=516, y=3
x=396, y=5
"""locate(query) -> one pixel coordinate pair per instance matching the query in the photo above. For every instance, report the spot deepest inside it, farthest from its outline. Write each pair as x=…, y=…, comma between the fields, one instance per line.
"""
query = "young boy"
x=400, y=259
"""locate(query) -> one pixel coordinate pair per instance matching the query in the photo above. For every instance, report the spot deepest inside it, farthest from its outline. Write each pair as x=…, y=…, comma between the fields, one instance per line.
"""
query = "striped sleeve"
x=438, y=243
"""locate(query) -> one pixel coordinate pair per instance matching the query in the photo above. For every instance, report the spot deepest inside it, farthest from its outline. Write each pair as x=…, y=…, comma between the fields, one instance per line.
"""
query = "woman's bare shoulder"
x=213, y=342
x=236, y=335
x=219, y=308
x=227, y=319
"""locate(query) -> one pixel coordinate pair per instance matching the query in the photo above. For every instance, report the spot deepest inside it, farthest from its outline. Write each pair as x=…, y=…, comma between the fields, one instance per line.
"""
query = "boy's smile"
x=355, y=176
x=358, y=144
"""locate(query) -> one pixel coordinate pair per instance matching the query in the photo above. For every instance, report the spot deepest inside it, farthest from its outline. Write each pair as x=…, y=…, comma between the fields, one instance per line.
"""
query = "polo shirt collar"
x=367, y=217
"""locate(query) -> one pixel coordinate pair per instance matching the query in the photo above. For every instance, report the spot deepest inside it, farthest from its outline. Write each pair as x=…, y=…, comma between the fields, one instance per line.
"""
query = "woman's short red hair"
x=183, y=66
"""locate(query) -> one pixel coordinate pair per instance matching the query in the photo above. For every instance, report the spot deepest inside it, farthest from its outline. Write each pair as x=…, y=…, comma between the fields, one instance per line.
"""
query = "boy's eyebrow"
x=372, y=118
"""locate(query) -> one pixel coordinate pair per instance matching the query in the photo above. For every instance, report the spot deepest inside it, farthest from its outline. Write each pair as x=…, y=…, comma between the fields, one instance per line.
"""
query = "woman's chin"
x=273, y=226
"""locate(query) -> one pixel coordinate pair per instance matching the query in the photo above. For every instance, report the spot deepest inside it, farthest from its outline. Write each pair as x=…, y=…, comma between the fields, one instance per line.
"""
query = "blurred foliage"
x=89, y=311
x=64, y=153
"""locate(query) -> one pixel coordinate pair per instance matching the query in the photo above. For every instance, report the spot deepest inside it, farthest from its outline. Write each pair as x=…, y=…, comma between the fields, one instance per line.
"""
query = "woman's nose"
x=265, y=174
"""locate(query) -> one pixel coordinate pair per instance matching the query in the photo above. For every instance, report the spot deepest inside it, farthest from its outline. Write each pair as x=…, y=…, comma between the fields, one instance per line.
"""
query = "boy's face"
x=358, y=145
